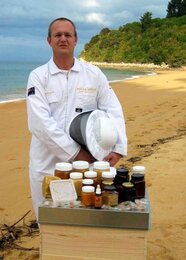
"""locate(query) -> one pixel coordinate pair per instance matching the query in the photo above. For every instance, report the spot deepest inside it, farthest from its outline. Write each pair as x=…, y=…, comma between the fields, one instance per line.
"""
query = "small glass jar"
x=98, y=198
x=138, y=169
x=107, y=176
x=99, y=167
x=88, y=193
x=80, y=166
x=138, y=179
x=91, y=175
x=139, y=183
x=110, y=196
x=88, y=182
x=107, y=183
x=77, y=180
x=63, y=170
x=122, y=175
x=128, y=192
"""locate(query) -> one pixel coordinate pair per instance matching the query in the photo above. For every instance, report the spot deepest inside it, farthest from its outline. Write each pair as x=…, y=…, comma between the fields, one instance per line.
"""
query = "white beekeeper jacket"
x=54, y=98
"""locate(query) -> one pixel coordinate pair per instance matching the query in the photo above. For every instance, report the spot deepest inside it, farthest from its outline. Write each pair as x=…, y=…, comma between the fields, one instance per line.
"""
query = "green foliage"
x=176, y=8
x=105, y=31
x=162, y=41
x=146, y=21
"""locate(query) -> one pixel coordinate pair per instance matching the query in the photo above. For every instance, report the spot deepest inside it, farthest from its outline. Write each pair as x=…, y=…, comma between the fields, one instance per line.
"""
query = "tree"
x=105, y=31
x=176, y=8
x=146, y=21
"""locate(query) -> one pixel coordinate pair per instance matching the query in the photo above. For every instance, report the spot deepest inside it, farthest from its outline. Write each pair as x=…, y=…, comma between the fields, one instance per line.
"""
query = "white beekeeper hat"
x=96, y=131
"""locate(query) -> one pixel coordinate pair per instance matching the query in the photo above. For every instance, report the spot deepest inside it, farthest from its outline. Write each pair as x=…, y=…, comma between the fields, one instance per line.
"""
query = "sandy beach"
x=154, y=108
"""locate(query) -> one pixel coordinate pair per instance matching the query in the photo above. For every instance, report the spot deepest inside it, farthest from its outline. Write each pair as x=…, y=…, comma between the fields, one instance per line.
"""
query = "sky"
x=24, y=24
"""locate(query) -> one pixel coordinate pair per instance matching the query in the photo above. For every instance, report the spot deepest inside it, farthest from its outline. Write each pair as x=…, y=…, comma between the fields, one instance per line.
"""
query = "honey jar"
x=80, y=166
x=99, y=167
x=91, y=175
x=88, y=193
x=63, y=170
x=110, y=196
x=138, y=179
x=77, y=180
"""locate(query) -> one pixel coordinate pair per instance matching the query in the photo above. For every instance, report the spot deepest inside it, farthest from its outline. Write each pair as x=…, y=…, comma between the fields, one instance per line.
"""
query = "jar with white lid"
x=77, y=177
x=91, y=175
x=106, y=183
x=99, y=167
x=88, y=193
x=108, y=176
x=138, y=169
x=80, y=166
x=63, y=170
x=88, y=182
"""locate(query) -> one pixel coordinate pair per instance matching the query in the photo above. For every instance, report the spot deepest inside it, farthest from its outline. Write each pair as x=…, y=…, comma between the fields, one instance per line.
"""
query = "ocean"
x=14, y=76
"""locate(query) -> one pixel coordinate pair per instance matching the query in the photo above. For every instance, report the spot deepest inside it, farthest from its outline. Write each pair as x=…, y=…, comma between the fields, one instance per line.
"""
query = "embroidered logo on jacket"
x=31, y=91
x=78, y=109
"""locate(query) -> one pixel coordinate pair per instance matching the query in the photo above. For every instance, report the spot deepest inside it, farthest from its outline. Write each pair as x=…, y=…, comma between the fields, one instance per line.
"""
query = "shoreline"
x=12, y=100
x=110, y=81
x=137, y=66
x=150, y=69
x=155, y=70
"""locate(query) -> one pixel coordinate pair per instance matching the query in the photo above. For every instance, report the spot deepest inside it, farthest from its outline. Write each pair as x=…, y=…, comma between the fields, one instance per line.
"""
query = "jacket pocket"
x=51, y=96
x=86, y=98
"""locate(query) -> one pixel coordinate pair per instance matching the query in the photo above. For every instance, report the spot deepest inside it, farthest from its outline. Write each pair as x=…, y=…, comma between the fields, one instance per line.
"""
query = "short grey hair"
x=61, y=19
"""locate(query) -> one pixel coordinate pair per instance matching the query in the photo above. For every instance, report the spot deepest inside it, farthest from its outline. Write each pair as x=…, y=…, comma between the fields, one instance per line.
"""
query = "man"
x=56, y=93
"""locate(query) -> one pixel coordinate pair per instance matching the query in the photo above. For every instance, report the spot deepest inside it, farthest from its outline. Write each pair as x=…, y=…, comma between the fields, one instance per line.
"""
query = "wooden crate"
x=91, y=243
x=93, y=234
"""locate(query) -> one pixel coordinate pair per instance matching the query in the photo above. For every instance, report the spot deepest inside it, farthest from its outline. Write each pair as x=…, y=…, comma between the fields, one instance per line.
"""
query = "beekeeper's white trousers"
x=36, y=179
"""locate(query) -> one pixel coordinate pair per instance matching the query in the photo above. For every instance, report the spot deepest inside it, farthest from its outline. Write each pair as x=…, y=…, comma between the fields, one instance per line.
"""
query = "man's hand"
x=112, y=158
x=84, y=155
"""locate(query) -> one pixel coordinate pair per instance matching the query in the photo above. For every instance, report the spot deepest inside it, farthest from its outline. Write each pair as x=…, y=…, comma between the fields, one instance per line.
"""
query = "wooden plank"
x=94, y=243
x=57, y=257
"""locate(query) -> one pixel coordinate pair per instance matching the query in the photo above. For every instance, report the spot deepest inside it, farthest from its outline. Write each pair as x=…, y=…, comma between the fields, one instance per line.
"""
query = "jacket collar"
x=54, y=69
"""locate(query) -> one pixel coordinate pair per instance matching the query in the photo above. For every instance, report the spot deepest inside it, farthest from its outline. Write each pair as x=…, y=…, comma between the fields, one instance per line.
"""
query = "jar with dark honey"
x=138, y=179
x=122, y=175
x=128, y=192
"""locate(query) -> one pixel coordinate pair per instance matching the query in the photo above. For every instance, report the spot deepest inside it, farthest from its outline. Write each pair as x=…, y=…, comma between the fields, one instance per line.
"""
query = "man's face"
x=62, y=39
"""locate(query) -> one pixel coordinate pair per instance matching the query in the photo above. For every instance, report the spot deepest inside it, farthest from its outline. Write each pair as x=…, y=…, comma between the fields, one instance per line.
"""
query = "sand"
x=154, y=108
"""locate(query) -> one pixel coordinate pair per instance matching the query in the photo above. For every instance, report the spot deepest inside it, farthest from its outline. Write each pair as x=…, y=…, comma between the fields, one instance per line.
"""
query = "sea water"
x=14, y=76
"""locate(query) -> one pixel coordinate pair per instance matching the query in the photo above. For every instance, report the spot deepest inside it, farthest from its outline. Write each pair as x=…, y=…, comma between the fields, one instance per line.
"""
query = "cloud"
x=90, y=3
x=13, y=12
x=97, y=18
x=25, y=23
